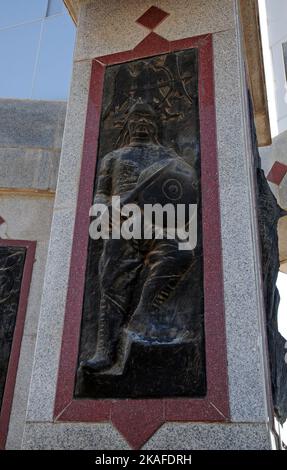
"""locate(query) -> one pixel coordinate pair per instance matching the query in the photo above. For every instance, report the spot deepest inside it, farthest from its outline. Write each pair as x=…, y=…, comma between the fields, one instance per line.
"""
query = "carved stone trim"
x=255, y=68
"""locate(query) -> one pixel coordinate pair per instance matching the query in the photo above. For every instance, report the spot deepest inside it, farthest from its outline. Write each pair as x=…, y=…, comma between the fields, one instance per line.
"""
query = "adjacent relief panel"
x=12, y=259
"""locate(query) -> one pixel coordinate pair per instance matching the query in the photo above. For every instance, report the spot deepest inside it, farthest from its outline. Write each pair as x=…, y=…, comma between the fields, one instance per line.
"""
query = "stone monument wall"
x=107, y=28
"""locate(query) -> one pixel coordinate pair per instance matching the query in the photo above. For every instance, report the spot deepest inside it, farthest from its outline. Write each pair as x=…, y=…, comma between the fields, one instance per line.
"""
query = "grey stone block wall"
x=30, y=143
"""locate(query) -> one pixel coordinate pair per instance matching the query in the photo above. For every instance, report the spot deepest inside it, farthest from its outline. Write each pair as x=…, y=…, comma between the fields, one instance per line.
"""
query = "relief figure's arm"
x=104, y=188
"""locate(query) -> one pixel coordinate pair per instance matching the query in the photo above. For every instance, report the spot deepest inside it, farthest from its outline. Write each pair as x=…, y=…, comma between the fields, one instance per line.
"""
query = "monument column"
x=231, y=408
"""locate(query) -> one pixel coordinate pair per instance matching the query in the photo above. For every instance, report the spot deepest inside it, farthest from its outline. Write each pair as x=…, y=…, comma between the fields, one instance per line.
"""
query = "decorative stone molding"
x=73, y=8
x=255, y=68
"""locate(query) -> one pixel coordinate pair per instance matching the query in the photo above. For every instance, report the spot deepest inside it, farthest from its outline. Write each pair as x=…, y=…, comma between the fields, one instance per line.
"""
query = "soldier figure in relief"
x=122, y=261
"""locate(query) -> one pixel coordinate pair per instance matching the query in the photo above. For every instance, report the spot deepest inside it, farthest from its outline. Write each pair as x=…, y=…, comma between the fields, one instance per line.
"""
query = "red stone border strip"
x=136, y=419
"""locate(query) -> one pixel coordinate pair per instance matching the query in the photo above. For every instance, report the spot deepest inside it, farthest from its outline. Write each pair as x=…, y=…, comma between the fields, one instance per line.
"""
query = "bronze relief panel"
x=142, y=332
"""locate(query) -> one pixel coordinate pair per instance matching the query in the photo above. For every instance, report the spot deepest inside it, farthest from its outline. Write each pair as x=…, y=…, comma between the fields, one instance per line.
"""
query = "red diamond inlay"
x=1, y=220
x=277, y=173
x=152, y=17
x=137, y=420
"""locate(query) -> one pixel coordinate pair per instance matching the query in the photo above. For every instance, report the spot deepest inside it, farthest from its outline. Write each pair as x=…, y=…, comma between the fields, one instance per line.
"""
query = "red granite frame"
x=138, y=419
x=18, y=333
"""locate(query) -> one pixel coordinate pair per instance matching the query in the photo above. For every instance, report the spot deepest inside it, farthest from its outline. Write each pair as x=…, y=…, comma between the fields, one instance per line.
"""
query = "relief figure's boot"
x=109, y=327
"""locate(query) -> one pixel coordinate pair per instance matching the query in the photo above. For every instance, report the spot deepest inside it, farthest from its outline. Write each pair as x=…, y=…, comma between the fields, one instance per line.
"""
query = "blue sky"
x=36, y=49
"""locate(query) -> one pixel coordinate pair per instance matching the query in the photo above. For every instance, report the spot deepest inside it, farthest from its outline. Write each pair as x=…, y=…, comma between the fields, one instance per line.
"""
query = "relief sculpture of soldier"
x=122, y=171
